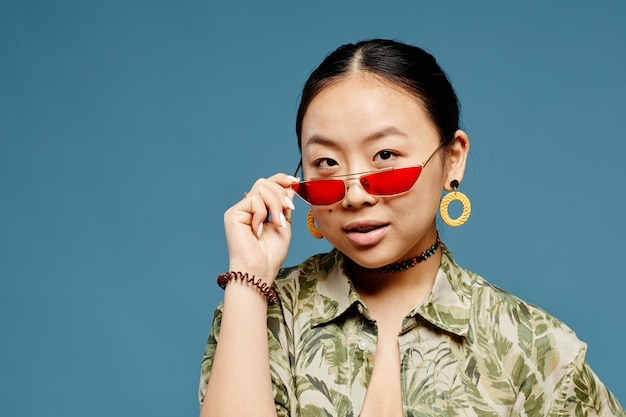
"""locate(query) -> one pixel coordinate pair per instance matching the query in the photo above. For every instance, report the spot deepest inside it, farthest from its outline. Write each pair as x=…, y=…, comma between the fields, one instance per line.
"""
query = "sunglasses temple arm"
x=295, y=174
x=430, y=157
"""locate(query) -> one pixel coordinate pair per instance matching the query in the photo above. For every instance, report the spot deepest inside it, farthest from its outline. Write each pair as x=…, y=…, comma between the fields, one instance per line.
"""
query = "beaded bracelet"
x=268, y=292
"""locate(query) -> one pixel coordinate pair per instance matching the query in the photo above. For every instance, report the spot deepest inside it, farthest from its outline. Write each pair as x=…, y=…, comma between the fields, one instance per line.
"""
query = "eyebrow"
x=388, y=131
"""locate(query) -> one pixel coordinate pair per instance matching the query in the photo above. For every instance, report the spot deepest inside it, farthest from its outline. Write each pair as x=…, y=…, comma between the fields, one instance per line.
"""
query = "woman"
x=386, y=324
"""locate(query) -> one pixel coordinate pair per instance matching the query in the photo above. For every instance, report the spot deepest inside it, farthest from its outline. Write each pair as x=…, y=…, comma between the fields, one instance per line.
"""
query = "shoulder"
x=515, y=344
x=299, y=280
x=505, y=325
x=496, y=314
x=303, y=272
x=499, y=306
x=297, y=285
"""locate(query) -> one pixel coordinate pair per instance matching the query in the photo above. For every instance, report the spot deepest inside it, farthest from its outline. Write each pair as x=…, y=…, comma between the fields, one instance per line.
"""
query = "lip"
x=357, y=234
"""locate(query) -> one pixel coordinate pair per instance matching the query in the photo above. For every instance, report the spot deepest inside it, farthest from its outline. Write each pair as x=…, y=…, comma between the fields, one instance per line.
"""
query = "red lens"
x=391, y=182
x=320, y=192
x=395, y=181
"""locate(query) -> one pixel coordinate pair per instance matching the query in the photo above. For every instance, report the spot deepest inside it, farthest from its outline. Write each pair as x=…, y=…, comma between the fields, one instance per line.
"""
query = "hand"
x=257, y=245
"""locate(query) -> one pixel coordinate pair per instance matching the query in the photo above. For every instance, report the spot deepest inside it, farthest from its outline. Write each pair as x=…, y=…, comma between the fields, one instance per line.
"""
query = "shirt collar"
x=447, y=306
x=335, y=293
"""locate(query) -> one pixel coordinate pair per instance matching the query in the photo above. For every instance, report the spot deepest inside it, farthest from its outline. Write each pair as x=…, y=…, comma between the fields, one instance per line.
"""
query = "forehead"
x=364, y=81
x=356, y=106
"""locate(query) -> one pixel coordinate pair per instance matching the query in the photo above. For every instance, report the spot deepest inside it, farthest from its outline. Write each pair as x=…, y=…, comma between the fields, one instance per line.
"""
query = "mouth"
x=364, y=229
x=366, y=234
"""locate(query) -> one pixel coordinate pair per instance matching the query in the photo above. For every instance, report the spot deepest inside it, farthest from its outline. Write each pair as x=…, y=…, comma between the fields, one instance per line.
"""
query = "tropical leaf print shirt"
x=469, y=349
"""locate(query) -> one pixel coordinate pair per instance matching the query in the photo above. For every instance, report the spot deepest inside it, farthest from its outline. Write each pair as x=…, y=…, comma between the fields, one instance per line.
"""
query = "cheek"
x=323, y=216
x=422, y=204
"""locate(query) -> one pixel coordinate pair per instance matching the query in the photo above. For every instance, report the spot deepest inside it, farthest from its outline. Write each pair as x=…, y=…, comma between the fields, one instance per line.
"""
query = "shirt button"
x=363, y=345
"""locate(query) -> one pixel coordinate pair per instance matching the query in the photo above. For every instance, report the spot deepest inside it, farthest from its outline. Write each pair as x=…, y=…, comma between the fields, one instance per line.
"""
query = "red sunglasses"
x=384, y=182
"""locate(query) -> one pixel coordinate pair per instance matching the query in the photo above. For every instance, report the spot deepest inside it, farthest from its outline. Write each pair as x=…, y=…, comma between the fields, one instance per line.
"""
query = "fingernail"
x=259, y=231
x=294, y=179
x=289, y=203
x=283, y=221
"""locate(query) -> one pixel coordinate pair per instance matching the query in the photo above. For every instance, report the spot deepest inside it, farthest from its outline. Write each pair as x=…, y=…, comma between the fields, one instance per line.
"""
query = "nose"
x=356, y=194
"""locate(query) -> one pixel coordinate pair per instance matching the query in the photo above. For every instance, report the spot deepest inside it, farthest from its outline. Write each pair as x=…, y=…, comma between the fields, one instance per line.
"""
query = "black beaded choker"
x=407, y=263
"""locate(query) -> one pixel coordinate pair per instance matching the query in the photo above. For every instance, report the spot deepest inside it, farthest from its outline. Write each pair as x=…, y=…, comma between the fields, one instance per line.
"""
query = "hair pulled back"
x=409, y=67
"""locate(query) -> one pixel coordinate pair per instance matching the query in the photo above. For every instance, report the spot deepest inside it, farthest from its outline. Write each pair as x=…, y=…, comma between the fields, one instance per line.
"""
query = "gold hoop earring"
x=310, y=223
x=455, y=196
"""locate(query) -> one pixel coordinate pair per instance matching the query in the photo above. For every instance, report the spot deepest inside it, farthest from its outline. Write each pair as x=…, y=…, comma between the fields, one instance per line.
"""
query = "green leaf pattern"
x=469, y=349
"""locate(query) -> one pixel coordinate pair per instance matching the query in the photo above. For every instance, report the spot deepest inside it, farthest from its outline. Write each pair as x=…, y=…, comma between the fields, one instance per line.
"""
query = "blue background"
x=128, y=127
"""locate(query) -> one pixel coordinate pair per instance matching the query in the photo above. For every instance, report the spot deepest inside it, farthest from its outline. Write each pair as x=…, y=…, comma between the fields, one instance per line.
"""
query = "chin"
x=369, y=262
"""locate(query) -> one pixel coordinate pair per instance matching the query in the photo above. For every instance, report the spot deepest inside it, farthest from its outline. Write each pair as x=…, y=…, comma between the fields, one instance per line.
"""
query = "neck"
x=407, y=286
x=409, y=262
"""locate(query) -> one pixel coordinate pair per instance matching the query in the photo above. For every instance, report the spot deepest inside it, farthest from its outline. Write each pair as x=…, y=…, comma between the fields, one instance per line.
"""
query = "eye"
x=325, y=163
x=385, y=155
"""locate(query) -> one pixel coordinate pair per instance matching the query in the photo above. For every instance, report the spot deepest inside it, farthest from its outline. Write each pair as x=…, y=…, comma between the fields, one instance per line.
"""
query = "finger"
x=286, y=207
x=277, y=202
x=288, y=216
x=271, y=199
x=283, y=180
x=259, y=213
x=279, y=181
x=276, y=197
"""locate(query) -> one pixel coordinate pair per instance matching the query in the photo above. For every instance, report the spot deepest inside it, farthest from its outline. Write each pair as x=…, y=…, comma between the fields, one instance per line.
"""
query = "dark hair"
x=407, y=66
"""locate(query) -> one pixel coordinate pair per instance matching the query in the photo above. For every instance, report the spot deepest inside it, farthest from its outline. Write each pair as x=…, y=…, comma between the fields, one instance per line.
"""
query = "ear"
x=456, y=159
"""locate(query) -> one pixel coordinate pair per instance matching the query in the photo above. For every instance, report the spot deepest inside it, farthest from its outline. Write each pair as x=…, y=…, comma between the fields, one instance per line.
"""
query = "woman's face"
x=364, y=123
